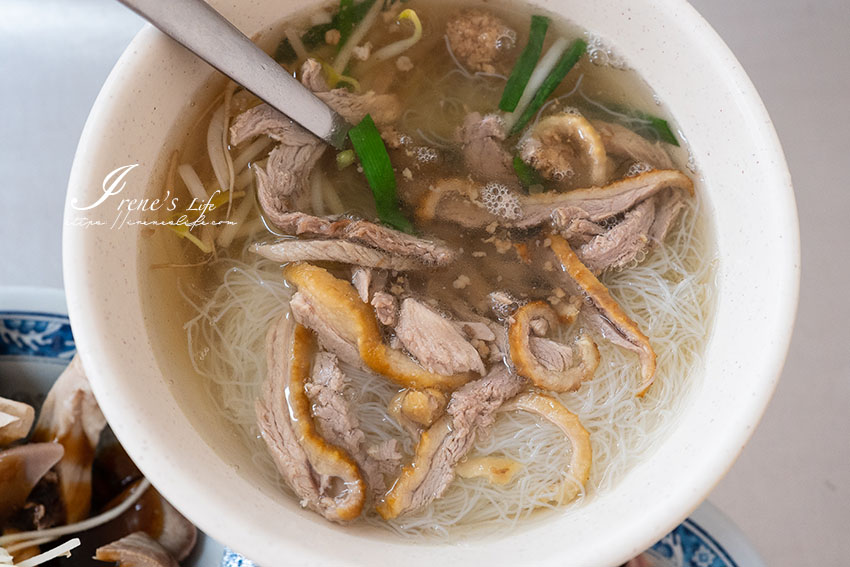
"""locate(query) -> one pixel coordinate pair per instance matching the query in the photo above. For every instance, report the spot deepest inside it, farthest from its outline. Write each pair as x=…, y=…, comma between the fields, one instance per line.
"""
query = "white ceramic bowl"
x=161, y=414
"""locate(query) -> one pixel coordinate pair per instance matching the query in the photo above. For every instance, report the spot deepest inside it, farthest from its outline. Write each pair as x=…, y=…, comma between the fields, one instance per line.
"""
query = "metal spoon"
x=207, y=34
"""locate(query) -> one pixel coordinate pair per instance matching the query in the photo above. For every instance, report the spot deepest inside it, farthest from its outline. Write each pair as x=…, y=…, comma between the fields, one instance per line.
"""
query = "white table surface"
x=790, y=489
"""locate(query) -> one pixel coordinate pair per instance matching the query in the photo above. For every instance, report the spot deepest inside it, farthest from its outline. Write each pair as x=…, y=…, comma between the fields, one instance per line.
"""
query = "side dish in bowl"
x=502, y=314
x=66, y=485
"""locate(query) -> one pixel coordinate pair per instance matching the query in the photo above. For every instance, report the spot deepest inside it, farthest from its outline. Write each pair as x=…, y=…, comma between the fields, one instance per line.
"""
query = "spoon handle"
x=203, y=31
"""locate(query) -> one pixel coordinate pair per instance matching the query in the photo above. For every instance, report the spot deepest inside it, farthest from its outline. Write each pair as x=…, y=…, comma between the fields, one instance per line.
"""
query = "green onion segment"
x=348, y=16
x=565, y=63
x=651, y=127
x=525, y=64
x=379, y=172
x=528, y=176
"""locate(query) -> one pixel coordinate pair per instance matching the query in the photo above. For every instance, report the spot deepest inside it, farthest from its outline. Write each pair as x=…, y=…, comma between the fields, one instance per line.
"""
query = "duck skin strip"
x=606, y=308
x=333, y=307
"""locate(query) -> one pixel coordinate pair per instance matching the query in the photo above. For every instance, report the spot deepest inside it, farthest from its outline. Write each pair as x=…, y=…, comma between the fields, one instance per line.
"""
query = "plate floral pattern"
x=689, y=545
x=36, y=334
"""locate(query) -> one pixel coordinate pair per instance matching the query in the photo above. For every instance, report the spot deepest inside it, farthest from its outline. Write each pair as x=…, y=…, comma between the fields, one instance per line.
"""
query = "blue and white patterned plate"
x=706, y=539
x=35, y=340
x=46, y=335
x=36, y=343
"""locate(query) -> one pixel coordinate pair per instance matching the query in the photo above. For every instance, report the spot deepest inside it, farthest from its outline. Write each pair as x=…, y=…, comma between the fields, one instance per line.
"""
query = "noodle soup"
x=233, y=295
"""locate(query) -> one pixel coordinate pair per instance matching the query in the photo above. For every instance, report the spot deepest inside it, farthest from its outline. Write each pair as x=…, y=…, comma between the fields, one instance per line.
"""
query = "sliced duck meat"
x=283, y=192
x=264, y=120
x=434, y=341
x=551, y=355
x=297, y=250
x=581, y=456
x=470, y=413
x=600, y=204
x=383, y=108
x=21, y=468
x=348, y=328
x=313, y=76
x=489, y=337
x=548, y=364
x=71, y=417
x=564, y=144
x=667, y=209
x=481, y=140
x=155, y=516
x=480, y=40
x=368, y=281
x=386, y=240
x=476, y=330
x=602, y=312
x=136, y=550
x=283, y=186
x=622, y=243
x=15, y=420
x=430, y=473
x=316, y=317
x=463, y=203
x=338, y=424
x=617, y=245
x=367, y=233
x=323, y=476
x=621, y=142
x=537, y=323
x=580, y=231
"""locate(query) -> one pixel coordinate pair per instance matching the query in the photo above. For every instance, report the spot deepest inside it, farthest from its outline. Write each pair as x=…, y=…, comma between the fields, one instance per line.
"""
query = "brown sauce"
x=14, y=487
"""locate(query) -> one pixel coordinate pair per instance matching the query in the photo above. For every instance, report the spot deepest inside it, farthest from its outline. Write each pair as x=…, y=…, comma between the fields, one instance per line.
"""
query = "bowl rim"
x=175, y=484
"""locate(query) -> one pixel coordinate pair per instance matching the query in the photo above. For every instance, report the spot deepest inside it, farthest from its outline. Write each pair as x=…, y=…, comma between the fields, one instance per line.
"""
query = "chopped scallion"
x=541, y=71
x=315, y=36
x=284, y=52
x=647, y=125
x=379, y=172
x=565, y=63
x=346, y=20
x=347, y=44
x=528, y=176
x=525, y=64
